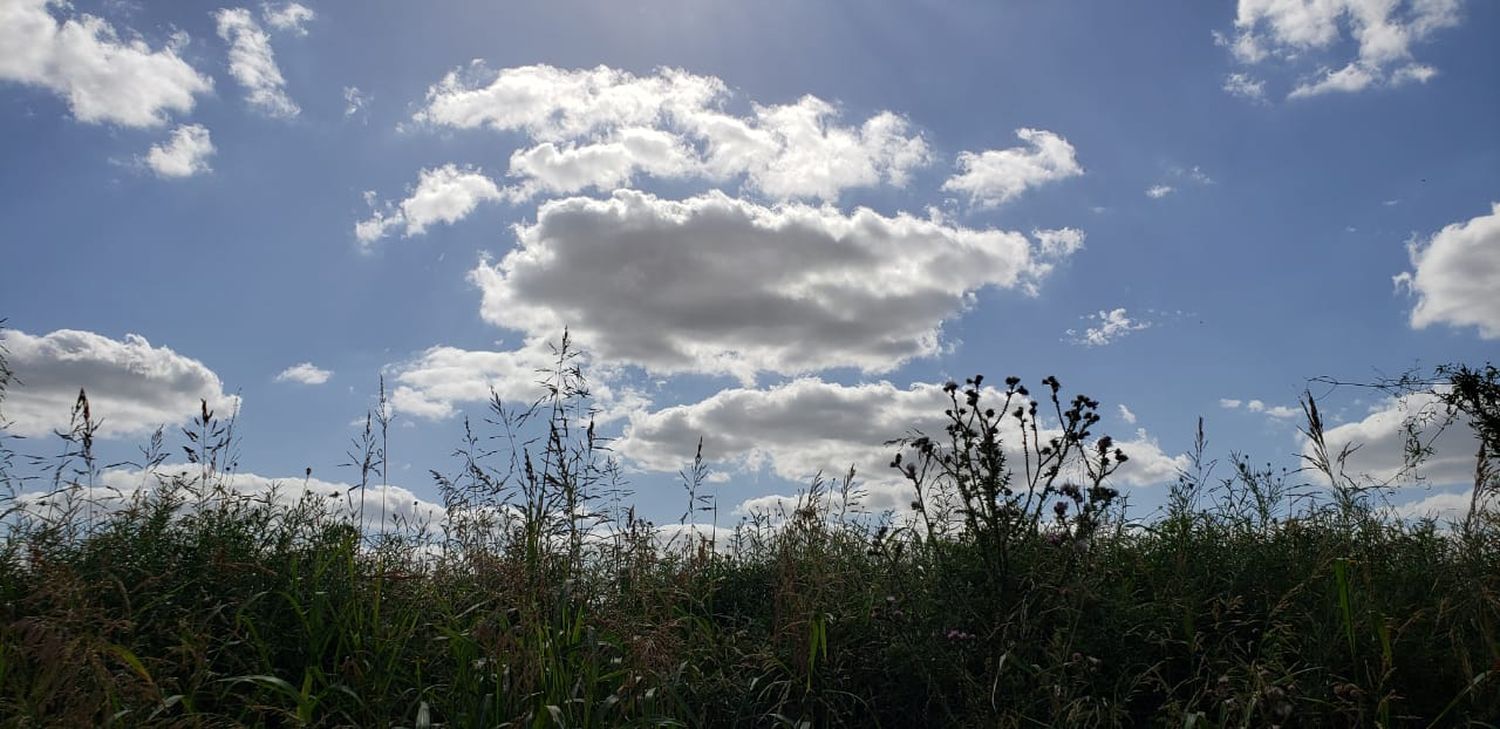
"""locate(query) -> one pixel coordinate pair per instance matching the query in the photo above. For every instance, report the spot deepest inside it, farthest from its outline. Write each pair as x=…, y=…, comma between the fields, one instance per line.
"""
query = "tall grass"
x=1015, y=594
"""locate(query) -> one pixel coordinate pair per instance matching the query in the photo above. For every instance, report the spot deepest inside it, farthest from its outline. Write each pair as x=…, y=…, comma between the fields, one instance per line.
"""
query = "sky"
x=779, y=226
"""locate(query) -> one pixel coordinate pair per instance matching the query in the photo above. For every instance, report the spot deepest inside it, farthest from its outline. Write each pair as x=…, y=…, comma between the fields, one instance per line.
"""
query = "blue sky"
x=777, y=224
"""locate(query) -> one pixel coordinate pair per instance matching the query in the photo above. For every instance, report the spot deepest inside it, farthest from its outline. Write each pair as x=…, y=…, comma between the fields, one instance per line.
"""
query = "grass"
x=1015, y=595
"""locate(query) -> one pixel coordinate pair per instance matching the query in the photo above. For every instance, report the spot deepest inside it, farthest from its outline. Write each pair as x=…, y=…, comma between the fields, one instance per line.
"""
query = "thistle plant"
x=967, y=472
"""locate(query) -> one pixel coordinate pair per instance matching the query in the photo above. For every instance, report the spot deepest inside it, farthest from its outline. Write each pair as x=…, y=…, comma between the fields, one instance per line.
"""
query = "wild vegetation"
x=1016, y=592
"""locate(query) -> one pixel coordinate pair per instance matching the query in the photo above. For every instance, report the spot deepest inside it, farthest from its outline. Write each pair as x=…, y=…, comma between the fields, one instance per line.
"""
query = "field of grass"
x=1019, y=592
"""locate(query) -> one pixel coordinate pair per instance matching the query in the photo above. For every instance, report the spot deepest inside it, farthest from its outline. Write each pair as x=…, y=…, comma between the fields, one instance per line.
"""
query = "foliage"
x=1012, y=594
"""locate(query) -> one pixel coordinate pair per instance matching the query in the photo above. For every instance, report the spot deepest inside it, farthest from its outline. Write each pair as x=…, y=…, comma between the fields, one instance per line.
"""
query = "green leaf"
x=131, y=660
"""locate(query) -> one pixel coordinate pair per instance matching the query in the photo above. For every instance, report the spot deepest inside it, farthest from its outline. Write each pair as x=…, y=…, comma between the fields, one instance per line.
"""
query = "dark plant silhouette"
x=1015, y=591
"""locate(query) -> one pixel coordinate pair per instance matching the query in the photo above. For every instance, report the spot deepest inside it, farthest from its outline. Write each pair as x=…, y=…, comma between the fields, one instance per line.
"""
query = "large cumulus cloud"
x=713, y=284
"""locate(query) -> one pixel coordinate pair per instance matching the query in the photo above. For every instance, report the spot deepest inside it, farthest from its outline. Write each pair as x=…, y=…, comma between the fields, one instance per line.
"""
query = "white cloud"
x=811, y=157
x=1280, y=412
x=1382, y=437
x=132, y=386
x=712, y=284
x=1059, y=243
x=1185, y=175
x=1456, y=275
x=104, y=78
x=355, y=100
x=554, y=104
x=290, y=16
x=1348, y=79
x=1445, y=507
x=807, y=425
x=996, y=176
x=305, y=373
x=1417, y=72
x=1293, y=31
x=434, y=384
x=599, y=127
x=253, y=64
x=393, y=508
x=602, y=165
x=1126, y=415
x=1194, y=174
x=1245, y=86
x=1111, y=326
x=444, y=194
x=384, y=507
x=689, y=535
x=439, y=379
x=184, y=155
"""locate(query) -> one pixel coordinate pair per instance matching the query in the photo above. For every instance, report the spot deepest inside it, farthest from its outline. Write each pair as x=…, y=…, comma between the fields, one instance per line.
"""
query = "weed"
x=1016, y=592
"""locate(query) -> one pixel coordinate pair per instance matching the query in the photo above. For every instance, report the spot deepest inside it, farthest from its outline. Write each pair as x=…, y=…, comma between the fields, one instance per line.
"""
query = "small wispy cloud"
x=1190, y=176
x=1110, y=326
x=355, y=100
x=292, y=17
x=1193, y=174
x=305, y=373
x=1245, y=86
x=1279, y=412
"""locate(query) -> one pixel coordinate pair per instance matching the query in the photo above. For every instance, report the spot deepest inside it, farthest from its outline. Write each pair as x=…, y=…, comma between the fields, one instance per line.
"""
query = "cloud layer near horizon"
x=807, y=426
